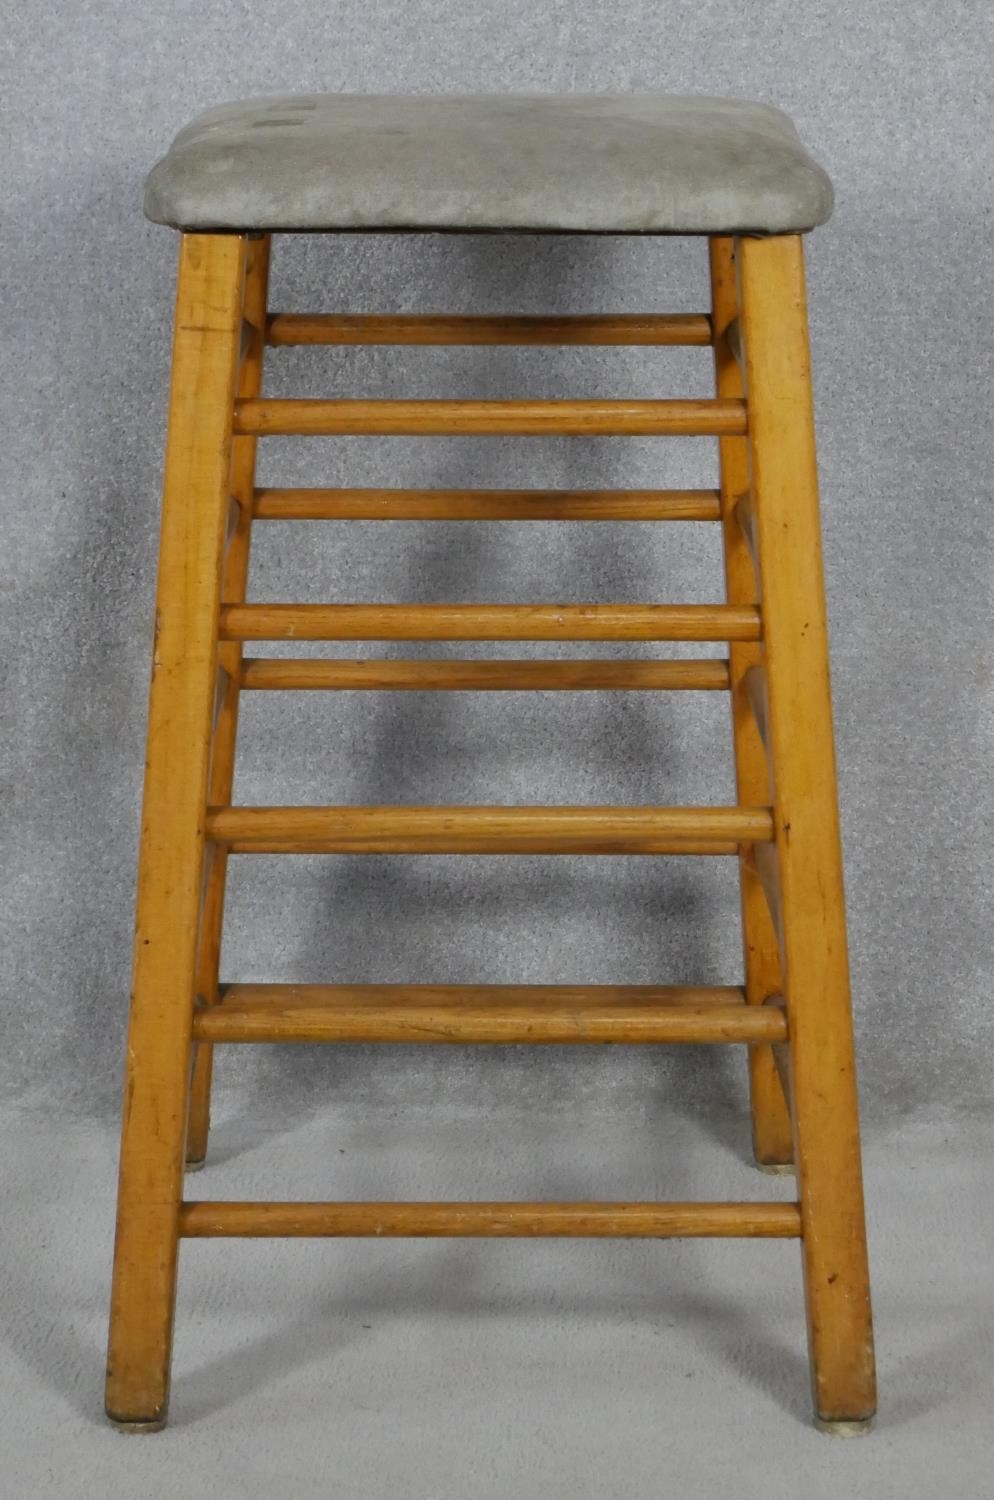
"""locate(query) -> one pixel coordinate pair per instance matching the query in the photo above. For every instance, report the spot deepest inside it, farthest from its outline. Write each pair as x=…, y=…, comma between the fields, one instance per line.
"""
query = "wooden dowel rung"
x=280, y=674
x=486, y=1014
x=629, y=329
x=705, y=848
x=486, y=505
x=490, y=622
x=321, y=418
x=485, y=830
x=499, y=1220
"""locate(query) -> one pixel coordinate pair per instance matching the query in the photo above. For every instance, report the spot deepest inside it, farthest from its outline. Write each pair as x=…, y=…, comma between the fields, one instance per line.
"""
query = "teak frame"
x=793, y=1010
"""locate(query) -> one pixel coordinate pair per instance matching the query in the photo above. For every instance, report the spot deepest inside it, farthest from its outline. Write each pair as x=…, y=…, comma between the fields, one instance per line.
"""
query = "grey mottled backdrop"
x=896, y=101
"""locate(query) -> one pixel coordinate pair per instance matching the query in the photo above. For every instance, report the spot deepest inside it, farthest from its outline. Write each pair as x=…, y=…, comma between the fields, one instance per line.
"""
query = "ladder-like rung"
x=486, y=1014
x=490, y=622
x=321, y=418
x=270, y=673
x=497, y=1220
x=488, y=830
x=419, y=328
x=370, y=504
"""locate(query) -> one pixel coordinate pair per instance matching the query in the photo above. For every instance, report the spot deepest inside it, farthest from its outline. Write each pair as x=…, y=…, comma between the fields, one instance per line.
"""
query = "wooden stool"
x=738, y=175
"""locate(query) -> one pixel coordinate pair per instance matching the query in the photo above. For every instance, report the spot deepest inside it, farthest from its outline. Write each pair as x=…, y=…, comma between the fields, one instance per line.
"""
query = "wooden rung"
x=490, y=622
x=335, y=328
x=486, y=505
x=485, y=1013
x=486, y=830
x=274, y=674
x=319, y=418
x=500, y=1220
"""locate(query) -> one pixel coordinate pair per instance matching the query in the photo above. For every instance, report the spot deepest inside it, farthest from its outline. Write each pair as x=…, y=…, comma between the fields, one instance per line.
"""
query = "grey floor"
x=471, y=1369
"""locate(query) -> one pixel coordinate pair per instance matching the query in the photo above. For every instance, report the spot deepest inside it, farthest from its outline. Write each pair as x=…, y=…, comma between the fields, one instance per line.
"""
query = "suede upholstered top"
x=625, y=164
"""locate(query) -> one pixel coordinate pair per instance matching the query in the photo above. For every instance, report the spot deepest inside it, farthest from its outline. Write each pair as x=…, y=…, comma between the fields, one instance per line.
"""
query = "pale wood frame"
x=794, y=1010
x=195, y=506
x=771, y=1129
x=805, y=810
x=234, y=581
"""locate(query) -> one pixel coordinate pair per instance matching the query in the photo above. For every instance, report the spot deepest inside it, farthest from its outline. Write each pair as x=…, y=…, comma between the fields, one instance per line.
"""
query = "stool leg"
x=771, y=1127
x=816, y=980
x=234, y=580
x=170, y=874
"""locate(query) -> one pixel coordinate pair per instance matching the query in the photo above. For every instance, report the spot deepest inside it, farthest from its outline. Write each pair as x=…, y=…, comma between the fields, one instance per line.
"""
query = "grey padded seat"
x=625, y=164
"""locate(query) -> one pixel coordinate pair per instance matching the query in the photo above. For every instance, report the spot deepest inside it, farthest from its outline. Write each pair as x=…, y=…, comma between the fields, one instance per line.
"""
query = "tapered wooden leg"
x=170, y=875
x=816, y=980
x=771, y=1128
x=234, y=580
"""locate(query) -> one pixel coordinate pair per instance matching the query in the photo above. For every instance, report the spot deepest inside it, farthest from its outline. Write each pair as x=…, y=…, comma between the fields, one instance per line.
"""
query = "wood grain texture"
x=816, y=979
x=495, y=1220
x=772, y=1136
x=234, y=579
x=485, y=830
x=313, y=674
x=485, y=505
x=793, y=1012
x=195, y=508
x=318, y=418
x=486, y=1014
x=421, y=328
x=490, y=622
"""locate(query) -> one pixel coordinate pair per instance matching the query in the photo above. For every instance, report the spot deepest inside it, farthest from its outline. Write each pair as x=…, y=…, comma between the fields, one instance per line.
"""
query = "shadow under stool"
x=736, y=175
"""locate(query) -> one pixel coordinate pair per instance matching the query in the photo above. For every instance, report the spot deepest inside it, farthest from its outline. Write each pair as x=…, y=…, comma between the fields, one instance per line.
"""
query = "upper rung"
x=490, y=622
x=321, y=418
x=629, y=329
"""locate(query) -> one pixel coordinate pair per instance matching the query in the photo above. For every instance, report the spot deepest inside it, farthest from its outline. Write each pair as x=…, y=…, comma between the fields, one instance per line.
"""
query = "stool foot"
x=776, y=1168
x=157, y=1425
x=845, y=1429
x=197, y=1165
x=198, y=1120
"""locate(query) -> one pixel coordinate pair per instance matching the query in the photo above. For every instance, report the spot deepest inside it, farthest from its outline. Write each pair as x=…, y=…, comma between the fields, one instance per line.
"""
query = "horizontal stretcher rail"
x=485, y=505
x=317, y=418
x=281, y=674
x=490, y=622
x=486, y=1014
x=486, y=830
x=420, y=328
x=493, y=1220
